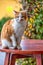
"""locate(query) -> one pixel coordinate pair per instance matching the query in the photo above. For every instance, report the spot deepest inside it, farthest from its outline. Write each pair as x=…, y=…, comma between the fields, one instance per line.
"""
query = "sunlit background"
x=7, y=7
x=6, y=10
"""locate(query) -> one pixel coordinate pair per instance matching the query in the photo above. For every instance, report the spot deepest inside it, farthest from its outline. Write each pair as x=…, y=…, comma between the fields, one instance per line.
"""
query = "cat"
x=13, y=29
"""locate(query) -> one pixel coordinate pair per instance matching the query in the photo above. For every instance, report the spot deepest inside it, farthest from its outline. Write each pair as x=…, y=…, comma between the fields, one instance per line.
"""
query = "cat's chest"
x=18, y=29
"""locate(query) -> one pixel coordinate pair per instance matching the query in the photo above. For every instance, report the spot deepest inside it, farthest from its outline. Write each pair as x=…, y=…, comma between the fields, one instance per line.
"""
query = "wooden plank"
x=22, y=55
x=29, y=51
x=22, y=51
x=31, y=41
x=38, y=59
x=13, y=59
x=7, y=59
x=32, y=44
x=29, y=47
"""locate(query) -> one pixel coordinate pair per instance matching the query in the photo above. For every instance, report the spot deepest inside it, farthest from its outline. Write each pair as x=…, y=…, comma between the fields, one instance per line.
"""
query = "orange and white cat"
x=12, y=30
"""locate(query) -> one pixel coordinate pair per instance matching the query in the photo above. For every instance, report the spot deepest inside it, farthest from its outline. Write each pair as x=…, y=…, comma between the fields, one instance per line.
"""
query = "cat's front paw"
x=13, y=47
x=5, y=47
x=19, y=47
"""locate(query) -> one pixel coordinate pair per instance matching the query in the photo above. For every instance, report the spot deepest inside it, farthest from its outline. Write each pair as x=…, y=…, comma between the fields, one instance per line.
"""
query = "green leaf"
x=38, y=36
x=2, y=21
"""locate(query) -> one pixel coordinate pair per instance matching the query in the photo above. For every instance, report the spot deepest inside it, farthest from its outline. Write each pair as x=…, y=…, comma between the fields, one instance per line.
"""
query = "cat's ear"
x=15, y=12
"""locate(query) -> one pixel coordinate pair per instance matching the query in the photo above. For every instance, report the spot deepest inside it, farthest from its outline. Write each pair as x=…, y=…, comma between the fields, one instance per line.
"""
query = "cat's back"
x=6, y=29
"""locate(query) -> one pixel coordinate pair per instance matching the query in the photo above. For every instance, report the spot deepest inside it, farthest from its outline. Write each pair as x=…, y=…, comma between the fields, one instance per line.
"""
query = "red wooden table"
x=34, y=49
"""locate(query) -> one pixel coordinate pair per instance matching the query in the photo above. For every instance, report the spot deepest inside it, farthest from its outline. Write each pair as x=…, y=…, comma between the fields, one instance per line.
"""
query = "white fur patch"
x=5, y=43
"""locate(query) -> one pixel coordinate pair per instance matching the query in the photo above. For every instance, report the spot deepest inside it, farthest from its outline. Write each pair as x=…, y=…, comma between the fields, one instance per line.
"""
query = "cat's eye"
x=22, y=16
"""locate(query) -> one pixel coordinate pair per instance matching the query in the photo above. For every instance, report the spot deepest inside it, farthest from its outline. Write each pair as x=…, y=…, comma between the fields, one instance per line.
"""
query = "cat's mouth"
x=21, y=19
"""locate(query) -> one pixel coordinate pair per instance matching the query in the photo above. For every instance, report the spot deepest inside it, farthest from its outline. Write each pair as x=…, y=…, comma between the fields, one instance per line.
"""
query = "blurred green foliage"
x=34, y=29
x=26, y=61
x=3, y=20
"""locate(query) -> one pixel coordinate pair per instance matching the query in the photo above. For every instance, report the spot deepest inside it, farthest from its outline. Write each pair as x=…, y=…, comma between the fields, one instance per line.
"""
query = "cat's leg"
x=19, y=47
x=19, y=41
x=14, y=43
x=5, y=43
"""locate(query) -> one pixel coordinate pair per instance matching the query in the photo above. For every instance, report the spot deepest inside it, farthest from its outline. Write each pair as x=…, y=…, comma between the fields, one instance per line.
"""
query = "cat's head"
x=21, y=15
